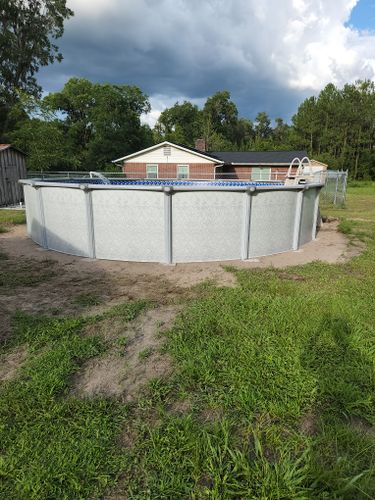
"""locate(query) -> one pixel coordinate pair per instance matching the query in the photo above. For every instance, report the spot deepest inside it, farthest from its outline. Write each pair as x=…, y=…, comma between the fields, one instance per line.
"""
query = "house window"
x=260, y=174
x=152, y=171
x=182, y=171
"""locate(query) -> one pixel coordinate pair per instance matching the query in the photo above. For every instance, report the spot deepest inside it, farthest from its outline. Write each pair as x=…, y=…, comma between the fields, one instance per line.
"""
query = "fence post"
x=44, y=242
x=336, y=187
x=344, y=187
x=246, y=223
x=168, y=224
x=90, y=221
x=297, y=220
x=316, y=209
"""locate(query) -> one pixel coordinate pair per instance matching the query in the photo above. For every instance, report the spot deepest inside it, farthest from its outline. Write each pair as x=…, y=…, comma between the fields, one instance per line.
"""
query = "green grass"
x=11, y=217
x=272, y=395
x=279, y=376
x=86, y=300
x=20, y=272
x=54, y=445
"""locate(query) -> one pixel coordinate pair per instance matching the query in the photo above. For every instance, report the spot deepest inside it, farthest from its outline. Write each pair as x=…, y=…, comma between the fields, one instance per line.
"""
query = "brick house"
x=175, y=161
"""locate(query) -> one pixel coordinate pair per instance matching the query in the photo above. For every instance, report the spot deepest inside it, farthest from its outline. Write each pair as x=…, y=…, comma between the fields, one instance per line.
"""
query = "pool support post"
x=246, y=225
x=316, y=211
x=168, y=225
x=41, y=215
x=298, y=219
x=90, y=221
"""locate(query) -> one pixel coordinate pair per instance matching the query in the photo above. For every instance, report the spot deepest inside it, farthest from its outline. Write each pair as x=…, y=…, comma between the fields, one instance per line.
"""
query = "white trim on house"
x=167, y=143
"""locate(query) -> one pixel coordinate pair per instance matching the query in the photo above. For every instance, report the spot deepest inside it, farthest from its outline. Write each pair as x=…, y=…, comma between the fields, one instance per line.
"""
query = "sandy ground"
x=330, y=246
x=134, y=354
x=114, y=282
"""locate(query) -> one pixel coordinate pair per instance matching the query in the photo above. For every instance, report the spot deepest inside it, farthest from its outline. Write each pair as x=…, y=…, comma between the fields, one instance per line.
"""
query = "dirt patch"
x=181, y=407
x=68, y=279
x=11, y=362
x=361, y=425
x=128, y=365
x=292, y=277
x=309, y=424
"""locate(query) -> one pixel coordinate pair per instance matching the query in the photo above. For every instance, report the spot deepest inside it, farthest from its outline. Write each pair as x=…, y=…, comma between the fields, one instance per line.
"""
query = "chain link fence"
x=334, y=191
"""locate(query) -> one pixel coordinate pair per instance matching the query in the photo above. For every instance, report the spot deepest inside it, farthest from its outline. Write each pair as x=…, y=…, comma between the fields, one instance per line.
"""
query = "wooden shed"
x=12, y=168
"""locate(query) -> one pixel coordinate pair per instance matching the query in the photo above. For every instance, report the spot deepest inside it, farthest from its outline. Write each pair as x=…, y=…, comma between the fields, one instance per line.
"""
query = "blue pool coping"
x=131, y=182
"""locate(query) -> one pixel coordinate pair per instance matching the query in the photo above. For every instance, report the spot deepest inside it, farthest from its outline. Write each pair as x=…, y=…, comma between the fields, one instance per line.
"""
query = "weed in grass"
x=86, y=300
x=127, y=311
x=146, y=353
x=4, y=229
x=122, y=344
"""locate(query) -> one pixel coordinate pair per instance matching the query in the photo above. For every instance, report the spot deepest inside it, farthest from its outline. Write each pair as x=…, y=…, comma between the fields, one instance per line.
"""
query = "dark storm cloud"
x=264, y=53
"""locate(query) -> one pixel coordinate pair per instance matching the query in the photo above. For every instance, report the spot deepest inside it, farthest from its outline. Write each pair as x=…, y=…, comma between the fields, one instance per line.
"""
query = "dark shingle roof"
x=257, y=157
x=194, y=150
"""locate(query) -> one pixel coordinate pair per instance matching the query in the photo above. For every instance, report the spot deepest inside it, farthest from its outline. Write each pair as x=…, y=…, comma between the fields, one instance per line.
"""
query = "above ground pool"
x=170, y=221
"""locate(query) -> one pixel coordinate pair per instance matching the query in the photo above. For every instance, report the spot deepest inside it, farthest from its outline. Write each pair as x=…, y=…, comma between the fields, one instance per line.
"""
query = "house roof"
x=258, y=157
x=202, y=154
x=3, y=147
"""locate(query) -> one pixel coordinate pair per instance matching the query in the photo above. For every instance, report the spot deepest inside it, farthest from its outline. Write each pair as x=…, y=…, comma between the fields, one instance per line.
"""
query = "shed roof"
x=3, y=147
x=258, y=157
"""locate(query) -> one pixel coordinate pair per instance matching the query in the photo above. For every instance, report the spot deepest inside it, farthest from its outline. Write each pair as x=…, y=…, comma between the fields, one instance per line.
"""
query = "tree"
x=27, y=31
x=182, y=123
x=45, y=143
x=281, y=134
x=101, y=121
x=220, y=116
x=263, y=128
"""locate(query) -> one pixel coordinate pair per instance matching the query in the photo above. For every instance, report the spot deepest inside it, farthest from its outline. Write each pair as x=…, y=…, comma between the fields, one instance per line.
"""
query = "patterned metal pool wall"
x=170, y=223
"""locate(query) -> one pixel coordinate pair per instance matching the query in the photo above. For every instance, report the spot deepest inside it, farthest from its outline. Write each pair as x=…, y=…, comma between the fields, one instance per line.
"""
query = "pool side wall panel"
x=129, y=225
x=152, y=225
x=207, y=225
x=272, y=222
x=65, y=220
x=33, y=215
x=308, y=212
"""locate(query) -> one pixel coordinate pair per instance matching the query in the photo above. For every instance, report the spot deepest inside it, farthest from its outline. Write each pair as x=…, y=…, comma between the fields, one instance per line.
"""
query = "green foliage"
x=27, y=34
x=337, y=127
x=85, y=126
x=182, y=123
x=45, y=143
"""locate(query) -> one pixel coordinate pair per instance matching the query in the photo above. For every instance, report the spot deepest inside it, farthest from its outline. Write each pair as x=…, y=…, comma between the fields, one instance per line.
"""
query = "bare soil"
x=11, y=362
x=114, y=282
x=52, y=283
x=128, y=365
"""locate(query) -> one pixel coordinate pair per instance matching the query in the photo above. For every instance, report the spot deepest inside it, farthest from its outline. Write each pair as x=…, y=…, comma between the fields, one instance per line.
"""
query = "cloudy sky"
x=270, y=54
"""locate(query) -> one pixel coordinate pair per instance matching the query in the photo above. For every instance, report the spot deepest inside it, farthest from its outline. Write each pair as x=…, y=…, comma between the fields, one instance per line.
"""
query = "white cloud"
x=260, y=50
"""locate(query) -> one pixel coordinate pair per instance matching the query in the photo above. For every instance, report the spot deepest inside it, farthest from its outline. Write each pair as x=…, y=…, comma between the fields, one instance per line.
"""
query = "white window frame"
x=187, y=171
x=261, y=172
x=152, y=165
